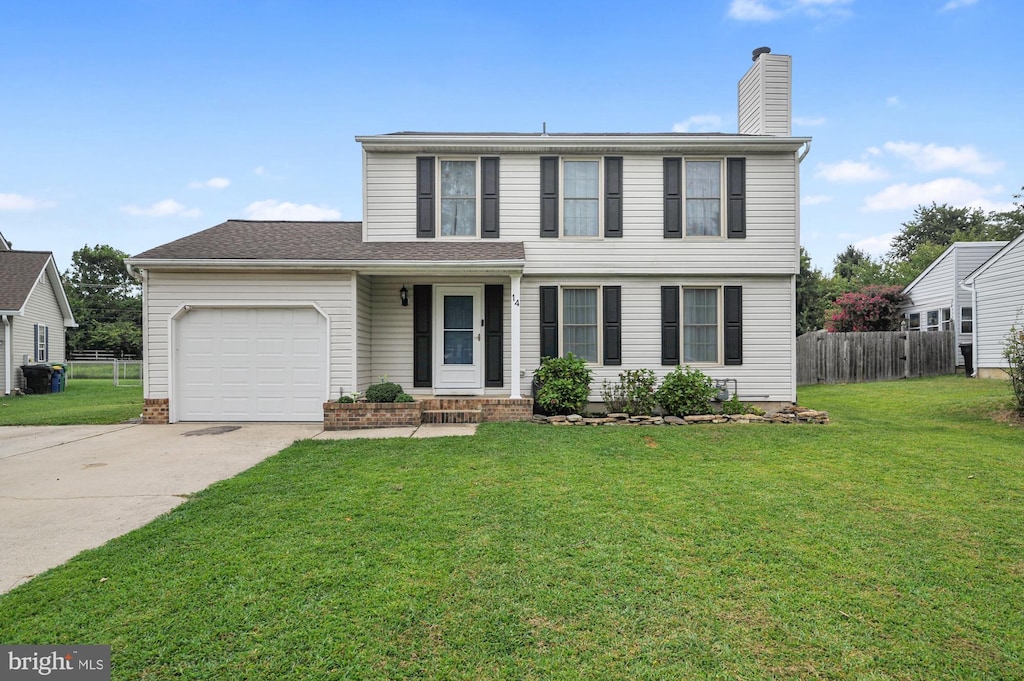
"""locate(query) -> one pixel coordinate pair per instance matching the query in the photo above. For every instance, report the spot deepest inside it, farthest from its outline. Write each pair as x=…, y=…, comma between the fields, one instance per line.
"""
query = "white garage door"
x=251, y=364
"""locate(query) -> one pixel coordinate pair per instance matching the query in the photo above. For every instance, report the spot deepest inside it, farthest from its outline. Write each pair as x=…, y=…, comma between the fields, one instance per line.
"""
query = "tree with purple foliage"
x=873, y=308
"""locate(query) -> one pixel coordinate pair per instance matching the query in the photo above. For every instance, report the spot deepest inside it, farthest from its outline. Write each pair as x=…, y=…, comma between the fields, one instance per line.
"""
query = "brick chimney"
x=766, y=95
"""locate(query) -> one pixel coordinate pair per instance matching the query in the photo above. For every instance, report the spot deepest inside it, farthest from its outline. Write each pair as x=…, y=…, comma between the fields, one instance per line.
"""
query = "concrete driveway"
x=64, y=489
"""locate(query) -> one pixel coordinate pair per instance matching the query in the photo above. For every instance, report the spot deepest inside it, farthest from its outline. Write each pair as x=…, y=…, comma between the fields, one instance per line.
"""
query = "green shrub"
x=405, y=397
x=734, y=406
x=383, y=392
x=633, y=394
x=346, y=399
x=1013, y=351
x=563, y=385
x=685, y=392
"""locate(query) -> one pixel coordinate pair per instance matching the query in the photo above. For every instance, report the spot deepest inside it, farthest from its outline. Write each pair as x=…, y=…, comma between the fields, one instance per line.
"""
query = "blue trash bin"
x=57, y=379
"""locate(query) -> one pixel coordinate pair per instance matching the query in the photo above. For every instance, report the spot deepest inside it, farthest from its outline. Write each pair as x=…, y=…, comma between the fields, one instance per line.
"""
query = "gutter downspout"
x=7, y=353
x=140, y=275
x=807, y=150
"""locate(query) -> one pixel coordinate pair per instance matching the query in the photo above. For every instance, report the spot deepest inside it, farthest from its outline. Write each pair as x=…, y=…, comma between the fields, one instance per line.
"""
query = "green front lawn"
x=84, y=400
x=887, y=545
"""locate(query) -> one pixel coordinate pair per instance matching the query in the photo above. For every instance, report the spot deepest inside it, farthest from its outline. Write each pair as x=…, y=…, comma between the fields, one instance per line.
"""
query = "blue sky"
x=134, y=123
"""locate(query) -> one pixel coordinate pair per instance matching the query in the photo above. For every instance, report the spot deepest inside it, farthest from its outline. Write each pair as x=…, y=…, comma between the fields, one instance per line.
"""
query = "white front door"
x=458, y=334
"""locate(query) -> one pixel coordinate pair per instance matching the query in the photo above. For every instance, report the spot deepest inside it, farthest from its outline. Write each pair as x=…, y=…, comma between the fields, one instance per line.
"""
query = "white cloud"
x=815, y=200
x=751, y=10
x=932, y=157
x=809, y=122
x=957, y=4
x=212, y=183
x=770, y=10
x=893, y=101
x=875, y=245
x=954, y=191
x=699, y=123
x=259, y=170
x=271, y=209
x=162, y=209
x=850, y=171
x=22, y=204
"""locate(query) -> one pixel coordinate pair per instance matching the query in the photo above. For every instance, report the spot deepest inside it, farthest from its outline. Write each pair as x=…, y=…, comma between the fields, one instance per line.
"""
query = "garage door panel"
x=251, y=364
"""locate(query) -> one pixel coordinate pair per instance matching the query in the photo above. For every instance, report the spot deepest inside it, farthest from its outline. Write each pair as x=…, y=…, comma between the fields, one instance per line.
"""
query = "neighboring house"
x=936, y=302
x=481, y=253
x=997, y=293
x=34, y=312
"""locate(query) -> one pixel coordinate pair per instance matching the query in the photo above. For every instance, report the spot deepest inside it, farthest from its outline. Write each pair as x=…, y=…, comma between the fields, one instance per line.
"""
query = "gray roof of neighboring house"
x=19, y=271
x=321, y=241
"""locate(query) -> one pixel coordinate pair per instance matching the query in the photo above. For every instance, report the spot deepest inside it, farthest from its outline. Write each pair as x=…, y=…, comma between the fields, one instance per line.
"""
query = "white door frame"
x=458, y=379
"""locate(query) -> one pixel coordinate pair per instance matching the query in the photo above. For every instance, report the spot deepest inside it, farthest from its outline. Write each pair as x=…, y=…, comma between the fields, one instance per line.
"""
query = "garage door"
x=251, y=364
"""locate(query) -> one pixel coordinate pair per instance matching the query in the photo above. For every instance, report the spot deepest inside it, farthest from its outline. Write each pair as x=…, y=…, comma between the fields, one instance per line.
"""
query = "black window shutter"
x=425, y=197
x=736, y=188
x=494, y=339
x=35, y=342
x=673, y=176
x=549, y=196
x=613, y=196
x=548, y=321
x=422, y=324
x=489, y=197
x=612, y=325
x=733, y=325
x=669, y=325
x=46, y=344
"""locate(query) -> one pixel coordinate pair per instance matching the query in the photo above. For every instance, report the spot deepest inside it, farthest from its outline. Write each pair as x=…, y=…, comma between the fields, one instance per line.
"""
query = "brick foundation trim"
x=156, y=410
x=361, y=415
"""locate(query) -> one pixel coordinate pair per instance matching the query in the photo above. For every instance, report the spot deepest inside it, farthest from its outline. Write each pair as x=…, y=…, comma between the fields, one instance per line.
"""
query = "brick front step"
x=452, y=415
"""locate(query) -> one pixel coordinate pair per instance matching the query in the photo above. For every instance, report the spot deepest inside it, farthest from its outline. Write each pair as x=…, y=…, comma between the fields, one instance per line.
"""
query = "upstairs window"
x=458, y=198
x=703, y=198
x=581, y=198
x=460, y=194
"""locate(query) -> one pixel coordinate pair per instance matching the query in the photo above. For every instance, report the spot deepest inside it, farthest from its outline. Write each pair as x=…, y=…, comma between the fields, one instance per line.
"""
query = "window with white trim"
x=42, y=345
x=946, y=317
x=700, y=325
x=703, y=198
x=581, y=198
x=932, y=323
x=914, y=321
x=458, y=192
x=966, y=320
x=580, y=323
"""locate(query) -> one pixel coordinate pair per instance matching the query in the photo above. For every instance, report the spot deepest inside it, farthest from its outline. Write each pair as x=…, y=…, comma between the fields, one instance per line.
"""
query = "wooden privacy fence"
x=823, y=357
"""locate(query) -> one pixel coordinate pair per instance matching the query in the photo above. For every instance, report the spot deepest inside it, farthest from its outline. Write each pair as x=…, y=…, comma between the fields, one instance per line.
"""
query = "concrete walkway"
x=64, y=489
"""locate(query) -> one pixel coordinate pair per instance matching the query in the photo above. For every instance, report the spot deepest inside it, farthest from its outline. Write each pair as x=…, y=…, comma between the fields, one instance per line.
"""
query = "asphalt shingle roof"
x=18, y=273
x=320, y=241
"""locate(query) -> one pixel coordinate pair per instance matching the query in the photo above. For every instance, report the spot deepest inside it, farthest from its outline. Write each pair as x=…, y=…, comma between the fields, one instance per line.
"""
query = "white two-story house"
x=481, y=253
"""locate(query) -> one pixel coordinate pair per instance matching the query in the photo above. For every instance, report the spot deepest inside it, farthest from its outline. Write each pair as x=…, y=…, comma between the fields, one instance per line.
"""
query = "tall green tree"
x=106, y=302
x=938, y=224
x=812, y=296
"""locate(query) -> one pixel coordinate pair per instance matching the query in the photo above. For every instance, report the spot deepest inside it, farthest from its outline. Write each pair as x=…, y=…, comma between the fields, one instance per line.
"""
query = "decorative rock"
x=699, y=418
x=573, y=418
x=675, y=421
x=618, y=415
x=556, y=419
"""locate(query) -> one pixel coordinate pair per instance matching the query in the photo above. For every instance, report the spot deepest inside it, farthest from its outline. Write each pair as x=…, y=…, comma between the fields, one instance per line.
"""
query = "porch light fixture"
x=405, y=296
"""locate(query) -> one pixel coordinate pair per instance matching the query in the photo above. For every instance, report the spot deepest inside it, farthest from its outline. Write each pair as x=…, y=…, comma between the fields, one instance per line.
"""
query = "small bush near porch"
x=886, y=546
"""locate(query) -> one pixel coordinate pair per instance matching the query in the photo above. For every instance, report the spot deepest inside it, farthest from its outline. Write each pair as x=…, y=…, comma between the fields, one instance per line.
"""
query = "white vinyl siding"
x=364, y=336
x=1000, y=305
x=392, y=336
x=41, y=308
x=938, y=287
x=767, y=370
x=770, y=246
x=764, y=97
x=167, y=292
